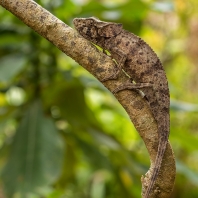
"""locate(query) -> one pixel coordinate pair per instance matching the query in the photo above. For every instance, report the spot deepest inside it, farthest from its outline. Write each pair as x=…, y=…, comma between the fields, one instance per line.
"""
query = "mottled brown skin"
x=140, y=62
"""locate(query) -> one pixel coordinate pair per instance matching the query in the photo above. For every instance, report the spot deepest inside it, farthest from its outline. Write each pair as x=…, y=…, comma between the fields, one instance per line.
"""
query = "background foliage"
x=62, y=134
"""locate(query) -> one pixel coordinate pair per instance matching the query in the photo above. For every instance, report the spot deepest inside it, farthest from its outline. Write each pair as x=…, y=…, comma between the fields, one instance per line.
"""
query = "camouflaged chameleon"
x=140, y=62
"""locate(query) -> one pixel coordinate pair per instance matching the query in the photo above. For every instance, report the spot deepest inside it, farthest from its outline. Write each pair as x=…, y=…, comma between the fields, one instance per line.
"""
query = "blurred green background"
x=63, y=135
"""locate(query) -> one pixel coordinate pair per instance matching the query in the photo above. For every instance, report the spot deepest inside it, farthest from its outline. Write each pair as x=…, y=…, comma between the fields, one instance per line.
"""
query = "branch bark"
x=97, y=63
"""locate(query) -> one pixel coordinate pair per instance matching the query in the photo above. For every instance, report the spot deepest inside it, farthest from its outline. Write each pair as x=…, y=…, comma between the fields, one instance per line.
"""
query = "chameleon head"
x=92, y=28
x=86, y=27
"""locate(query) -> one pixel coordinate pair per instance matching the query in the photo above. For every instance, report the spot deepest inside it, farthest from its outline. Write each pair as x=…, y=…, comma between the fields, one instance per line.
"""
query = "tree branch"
x=97, y=63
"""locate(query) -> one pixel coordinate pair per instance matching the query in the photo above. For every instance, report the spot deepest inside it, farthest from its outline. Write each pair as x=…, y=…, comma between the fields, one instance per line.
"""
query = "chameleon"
x=133, y=55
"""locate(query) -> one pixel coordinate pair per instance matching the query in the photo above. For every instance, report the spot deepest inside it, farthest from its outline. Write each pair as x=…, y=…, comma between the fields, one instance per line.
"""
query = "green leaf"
x=10, y=66
x=134, y=9
x=92, y=154
x=190, y=174
x=36, y=155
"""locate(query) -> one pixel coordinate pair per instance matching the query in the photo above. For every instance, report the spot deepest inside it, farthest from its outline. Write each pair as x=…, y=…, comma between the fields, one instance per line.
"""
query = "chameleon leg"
x=131, y=86
x=122, y=58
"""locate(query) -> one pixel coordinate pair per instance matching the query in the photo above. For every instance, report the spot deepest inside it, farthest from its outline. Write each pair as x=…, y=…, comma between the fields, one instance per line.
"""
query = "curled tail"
x=157, y=165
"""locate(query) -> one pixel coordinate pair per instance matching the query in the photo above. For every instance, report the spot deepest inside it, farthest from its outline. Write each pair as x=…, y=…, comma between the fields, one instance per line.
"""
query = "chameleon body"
x=140, y=62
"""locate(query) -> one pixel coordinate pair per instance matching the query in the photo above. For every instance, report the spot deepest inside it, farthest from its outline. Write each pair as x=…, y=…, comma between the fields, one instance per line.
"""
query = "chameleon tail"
x=157, y=165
